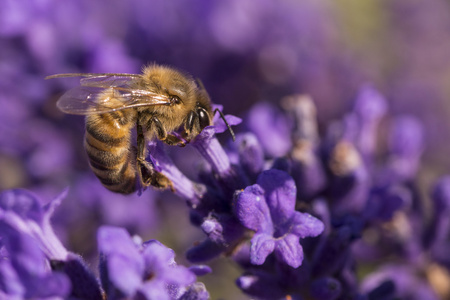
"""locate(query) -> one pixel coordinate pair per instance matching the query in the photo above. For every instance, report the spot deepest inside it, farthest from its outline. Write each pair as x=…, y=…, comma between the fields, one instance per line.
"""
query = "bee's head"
x=201, y=117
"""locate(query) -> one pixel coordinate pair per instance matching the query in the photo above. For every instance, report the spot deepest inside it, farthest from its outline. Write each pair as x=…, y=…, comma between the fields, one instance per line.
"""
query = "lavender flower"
x=271, y=128
x=146, y=270
x=268, y=208
x=38, y=265
x=24, y=273
x=23, y=212
x=407, y=285
x=306, y=165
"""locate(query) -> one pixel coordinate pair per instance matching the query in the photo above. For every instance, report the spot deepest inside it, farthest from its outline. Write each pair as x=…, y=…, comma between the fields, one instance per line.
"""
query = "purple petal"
x=441, y=195
x=303, y=111
x=439, y=228
x=23, y=212
x=157, y=256
x=23, y=250
x=307, y=170
x=196, y=291
x=121, y=256
x=30, y=266
x=9, y=279
x=289, y=250
x=213, y=229
x=251, y=154
x=262, y=245
x=115, y=240
x=183, y=186
x=50, y=207
x=52, y=285
x=160, y=262
x=329, y=257
x=370, y=106
x=180, y=275
x=406, y=138
x=271, y=128
x=200, y=270
x=23, y=203
x=153, y=289
x=204, y=251
x=305, y=225
x=383, y=204
x=209, y=147
x=220, y=126
x=252, y=211
x=407, y=284
x=122, y=275
x=222, y=228
x=350, y=181
x=84, y=283
x=280, y=192
x=406, y=144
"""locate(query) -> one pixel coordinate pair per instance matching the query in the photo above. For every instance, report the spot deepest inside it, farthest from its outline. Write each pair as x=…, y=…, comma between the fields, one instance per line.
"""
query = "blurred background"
x=244, y=52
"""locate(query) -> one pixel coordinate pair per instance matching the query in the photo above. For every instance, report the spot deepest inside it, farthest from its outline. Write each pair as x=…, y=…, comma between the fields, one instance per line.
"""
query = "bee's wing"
x=106, y=92
x=87, y=100
x=101, y=79
x=102, y=93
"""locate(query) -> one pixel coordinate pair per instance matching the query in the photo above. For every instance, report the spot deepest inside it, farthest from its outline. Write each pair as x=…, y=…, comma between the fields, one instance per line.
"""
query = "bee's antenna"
x=226, y=123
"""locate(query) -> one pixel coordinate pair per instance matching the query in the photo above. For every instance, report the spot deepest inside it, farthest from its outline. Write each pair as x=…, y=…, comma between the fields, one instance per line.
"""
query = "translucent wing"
x=101, y=79
x=106, y=92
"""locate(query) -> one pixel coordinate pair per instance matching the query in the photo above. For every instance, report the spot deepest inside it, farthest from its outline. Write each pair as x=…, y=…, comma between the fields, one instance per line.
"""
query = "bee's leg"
x=173, y=140
x=169, y=139
x=146, y=172
x=189, y=124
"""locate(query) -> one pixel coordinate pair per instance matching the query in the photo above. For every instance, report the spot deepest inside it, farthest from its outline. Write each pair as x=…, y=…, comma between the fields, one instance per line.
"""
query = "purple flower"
x=209, y=147
x=350, y=180
x=133, y=269
x=439, y=229
x=332, y=254
x=307, y=168
x=23, y=212
x=247, y=152
x=271, y=127
x=385, y=202
x=38, y=264
x=25, y=273
x=407, y=284
x=406, y=143
x=196, y=291
x=268, y=208
x=183, y=186
x=370, y=106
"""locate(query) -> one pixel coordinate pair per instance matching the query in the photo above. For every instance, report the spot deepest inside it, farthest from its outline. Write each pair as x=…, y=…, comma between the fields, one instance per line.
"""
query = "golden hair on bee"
x=158, y=102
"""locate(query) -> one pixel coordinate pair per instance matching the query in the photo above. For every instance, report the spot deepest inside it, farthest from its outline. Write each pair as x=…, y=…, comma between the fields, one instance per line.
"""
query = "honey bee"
x=160, y=102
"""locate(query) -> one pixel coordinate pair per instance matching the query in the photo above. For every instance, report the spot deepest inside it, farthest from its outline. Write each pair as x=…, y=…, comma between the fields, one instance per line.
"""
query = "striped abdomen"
x=111, y=156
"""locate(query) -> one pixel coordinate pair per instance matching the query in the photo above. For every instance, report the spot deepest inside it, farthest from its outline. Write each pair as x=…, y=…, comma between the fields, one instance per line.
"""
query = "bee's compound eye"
x=203, y=118
x=175, y=99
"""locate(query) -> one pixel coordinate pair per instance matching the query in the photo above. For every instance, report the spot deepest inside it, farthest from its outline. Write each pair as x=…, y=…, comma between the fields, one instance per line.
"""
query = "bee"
x=159, y=103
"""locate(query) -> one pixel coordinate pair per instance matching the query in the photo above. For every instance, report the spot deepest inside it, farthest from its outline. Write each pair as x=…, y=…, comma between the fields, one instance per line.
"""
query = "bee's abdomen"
x=111, y=157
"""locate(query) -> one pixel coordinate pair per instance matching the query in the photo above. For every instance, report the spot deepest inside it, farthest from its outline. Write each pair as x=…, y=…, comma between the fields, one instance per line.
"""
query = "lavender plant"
x=301, y=206
x=313, y=244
